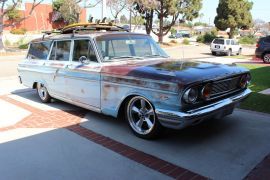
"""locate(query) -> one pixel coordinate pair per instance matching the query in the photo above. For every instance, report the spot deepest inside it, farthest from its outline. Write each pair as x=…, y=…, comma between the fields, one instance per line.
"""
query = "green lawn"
x=260, y=81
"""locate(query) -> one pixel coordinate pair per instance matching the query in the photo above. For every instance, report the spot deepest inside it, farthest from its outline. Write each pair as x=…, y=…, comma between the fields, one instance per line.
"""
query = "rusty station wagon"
x=102, y=68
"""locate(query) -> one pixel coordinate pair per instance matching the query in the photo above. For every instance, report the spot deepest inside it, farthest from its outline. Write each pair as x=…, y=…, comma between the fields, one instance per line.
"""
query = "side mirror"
x=84, y=60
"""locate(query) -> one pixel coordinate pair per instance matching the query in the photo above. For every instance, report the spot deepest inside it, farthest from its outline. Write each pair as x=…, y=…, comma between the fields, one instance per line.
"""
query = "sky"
x=260, y=10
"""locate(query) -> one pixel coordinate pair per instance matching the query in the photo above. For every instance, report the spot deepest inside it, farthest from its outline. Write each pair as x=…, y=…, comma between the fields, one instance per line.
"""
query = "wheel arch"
x=121, y=108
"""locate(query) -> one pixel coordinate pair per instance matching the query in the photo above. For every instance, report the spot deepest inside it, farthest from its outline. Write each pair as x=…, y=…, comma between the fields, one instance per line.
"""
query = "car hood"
x=172, y=70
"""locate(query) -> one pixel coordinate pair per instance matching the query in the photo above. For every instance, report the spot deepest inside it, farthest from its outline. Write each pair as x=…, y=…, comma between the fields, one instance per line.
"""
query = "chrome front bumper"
x=179, y=120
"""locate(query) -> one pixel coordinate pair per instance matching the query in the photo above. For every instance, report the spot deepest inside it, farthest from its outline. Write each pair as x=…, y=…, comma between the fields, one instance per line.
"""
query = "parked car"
x=263, y=49
x=225, y=46
x=172, y=36
x=127, y=75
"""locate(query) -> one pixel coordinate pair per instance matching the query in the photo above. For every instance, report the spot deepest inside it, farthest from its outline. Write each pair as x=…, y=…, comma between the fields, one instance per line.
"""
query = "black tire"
x=266, y=58
x=239, y=52
x=214, y=53
x=229, y=53
x=43, y=93
x=133, y=118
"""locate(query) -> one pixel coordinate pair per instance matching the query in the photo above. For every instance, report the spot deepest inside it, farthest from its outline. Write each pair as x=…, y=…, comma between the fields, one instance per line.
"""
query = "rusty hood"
x=172, y=70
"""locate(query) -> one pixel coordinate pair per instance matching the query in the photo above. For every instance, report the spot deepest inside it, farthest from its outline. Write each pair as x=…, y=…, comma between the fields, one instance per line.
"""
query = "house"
x=41, y=18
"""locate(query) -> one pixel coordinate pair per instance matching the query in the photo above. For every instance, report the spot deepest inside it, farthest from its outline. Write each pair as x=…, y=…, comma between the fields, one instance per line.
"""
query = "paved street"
x=61, y=141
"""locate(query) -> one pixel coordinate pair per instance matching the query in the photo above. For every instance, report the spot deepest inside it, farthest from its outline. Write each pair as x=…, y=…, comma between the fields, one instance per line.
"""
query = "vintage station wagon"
x=102, y=68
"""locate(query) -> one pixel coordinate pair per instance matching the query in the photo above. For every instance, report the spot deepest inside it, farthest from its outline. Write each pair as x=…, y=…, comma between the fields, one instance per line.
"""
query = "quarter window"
x=60, y=51
x=83, y=48
x=39, y=50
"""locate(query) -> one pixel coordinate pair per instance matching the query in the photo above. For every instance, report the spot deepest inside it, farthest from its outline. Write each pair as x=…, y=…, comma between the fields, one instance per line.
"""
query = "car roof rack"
x=90, y=26
x=55, y=31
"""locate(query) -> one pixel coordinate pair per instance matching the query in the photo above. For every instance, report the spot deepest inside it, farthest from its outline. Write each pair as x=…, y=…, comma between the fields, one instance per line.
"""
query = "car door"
x=32, y=68
x=57, y=67
x=234, y=46
x=83, y=76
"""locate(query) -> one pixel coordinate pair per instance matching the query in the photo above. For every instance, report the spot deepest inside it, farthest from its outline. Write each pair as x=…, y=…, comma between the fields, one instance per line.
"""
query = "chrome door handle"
x=56, y=72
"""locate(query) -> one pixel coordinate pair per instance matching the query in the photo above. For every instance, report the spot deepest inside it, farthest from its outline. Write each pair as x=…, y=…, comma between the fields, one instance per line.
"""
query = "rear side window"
x=60, y=51
x=218, y=41
x=39, y=50
x=83, y=48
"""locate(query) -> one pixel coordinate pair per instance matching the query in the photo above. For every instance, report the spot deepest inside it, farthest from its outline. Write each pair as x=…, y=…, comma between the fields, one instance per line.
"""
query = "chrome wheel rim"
x=267, y=58
x=141, y=115
x=42, y=91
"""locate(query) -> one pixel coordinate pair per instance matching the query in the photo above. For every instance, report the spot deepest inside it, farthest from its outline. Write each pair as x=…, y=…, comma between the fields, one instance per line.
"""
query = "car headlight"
x=206, y=91
x=190, y=95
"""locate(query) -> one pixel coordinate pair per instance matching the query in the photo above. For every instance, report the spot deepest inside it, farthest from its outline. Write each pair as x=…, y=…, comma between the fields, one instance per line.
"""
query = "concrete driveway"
x=61, y=141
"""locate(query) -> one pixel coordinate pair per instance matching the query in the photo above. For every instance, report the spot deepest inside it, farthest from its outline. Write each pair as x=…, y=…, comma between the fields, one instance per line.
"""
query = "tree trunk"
x=231, y=33
x=149, y=22
x=2, y=48
x=160, y=34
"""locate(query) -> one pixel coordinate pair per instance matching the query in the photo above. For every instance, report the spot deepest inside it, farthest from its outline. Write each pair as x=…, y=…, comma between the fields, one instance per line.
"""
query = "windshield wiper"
x=156, y=55
x=126, y=57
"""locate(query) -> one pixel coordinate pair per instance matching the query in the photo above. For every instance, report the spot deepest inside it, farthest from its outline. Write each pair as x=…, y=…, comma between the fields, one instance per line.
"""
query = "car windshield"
x=121, y=47
x=218, y=41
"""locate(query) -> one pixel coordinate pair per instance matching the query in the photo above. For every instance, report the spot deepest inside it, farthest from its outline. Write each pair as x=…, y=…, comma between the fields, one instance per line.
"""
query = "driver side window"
x=83, y=48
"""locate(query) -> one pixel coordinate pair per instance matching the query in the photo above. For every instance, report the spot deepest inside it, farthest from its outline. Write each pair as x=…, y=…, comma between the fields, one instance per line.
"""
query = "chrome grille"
x=225, y=86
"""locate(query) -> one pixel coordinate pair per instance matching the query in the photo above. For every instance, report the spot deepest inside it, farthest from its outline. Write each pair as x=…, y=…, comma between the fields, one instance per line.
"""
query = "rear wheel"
x=266, y=58
x=43, y=93
x=229, y=53
x=142, y=119
x=214, y=53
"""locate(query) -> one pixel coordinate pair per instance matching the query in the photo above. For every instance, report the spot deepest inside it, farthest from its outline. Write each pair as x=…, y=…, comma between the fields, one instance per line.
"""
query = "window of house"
x=84, y=48
x=39, y=50
x=60, y=50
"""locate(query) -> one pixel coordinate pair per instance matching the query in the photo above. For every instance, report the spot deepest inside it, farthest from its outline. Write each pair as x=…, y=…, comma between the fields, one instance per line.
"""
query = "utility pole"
x=104, y=9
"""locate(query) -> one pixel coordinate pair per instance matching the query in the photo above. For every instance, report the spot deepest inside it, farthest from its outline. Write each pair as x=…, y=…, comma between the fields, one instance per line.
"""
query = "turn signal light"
x=244, y=81
x=206, y=91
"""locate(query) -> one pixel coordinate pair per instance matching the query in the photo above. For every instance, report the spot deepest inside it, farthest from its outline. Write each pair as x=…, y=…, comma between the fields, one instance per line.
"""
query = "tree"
x=233, y=14
x=123, y=19
x=116, y=7
x=11, y=12
x=259, y=25
x=167, y=12
x=70, y=11
x=66, y=10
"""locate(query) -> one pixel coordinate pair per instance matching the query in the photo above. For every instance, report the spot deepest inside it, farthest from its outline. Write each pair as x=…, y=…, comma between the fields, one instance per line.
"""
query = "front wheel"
x=142, y=118
x=266, y=58
x=43, y=93
x=239, y=52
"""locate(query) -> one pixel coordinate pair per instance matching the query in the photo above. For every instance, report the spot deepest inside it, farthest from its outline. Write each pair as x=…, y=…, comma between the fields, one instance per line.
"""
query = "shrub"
x=173, y=41
x=23, y=46
x=18, y=31
x=207, y=37
x=200, y=39
x=7, y=42
x=247, y=40
x=173, y=31
x=186, y=42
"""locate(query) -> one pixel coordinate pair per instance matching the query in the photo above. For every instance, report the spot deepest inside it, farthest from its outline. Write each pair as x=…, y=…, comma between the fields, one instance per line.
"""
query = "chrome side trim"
x=91, y=108
x=178, y=120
